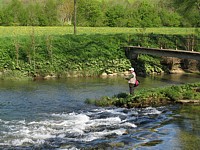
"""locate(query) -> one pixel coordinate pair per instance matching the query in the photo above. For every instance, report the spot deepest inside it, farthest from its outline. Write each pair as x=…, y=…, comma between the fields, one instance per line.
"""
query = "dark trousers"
x=131, y=88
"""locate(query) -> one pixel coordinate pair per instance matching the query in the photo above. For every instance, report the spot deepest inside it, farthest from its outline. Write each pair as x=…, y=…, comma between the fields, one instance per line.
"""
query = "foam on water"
x=151, y=110
x=85, y=126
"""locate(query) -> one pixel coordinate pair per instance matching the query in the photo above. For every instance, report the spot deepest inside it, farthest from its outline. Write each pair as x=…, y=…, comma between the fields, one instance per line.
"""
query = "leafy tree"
x=50, y=13
x=11, y=13
x=37, y=15
x=65, y=11
x=170, y=18
x=115, y=15
x=132, y=15
x=124, y=3
x=118, y=13
x=33, y=11
x=190, y=10
x=44, y=16
x=148, y=15
x=23, y=17
x=89, y=13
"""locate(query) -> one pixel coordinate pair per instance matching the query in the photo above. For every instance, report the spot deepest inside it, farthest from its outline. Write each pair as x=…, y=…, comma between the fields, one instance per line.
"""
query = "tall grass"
x=61, y=30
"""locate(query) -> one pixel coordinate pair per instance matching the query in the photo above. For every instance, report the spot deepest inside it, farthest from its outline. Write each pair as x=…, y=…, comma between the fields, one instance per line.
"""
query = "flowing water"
x=52, y=115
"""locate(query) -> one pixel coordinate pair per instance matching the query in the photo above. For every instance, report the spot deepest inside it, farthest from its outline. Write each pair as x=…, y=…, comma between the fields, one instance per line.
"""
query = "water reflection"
x=189, y=127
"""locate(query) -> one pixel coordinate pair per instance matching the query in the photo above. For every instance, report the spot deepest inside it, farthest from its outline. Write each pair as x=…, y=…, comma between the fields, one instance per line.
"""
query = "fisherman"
x=131, y=80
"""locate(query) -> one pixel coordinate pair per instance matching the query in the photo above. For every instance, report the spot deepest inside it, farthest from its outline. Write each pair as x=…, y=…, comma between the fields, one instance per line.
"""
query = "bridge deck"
x=131, y=50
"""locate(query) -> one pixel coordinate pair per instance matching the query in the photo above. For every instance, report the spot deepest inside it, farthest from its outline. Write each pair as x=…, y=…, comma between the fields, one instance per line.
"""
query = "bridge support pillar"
x=130, y=55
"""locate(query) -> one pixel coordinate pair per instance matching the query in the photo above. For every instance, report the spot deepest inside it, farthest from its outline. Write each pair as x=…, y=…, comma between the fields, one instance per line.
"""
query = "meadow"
x=13, y=31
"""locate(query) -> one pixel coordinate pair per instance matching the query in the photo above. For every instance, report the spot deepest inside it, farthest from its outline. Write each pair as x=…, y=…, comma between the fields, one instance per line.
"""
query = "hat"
x=131, y=69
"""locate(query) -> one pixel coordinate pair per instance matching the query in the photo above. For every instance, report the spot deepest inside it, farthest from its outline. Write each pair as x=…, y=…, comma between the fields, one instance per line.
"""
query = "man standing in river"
x=131, y=80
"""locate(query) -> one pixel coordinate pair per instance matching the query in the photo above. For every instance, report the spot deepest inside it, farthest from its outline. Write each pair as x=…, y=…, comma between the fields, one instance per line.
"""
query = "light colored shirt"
x=132, y=78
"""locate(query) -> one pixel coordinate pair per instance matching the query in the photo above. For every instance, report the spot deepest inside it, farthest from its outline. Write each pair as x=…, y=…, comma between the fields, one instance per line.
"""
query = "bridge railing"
x=188, y=42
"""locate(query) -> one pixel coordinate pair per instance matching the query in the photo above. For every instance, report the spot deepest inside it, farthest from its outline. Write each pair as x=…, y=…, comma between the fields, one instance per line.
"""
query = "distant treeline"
x=95, y=13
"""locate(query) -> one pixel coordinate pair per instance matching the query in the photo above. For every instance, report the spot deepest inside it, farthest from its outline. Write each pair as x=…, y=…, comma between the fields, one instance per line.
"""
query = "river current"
x=52, y=114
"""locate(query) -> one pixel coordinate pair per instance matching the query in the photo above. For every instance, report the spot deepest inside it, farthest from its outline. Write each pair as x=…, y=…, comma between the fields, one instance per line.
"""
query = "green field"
x=60, y=30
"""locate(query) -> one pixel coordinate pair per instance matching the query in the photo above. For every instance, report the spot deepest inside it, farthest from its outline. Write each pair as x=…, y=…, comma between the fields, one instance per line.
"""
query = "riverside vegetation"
x=82, y=55
x=151, y=97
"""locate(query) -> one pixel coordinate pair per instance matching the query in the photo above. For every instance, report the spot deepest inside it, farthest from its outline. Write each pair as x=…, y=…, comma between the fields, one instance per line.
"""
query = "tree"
x=148, y=15
x=50, y=13
x=89, y=13
x=11, y=13
x=115, y=15
x=33, y=12
x=170, y=18
x=190, y=10
x=187, y=5
x=75, y=31
x=65, y=11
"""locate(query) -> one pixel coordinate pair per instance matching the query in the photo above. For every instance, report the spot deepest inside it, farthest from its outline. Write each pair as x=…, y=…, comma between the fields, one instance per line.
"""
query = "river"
x=52, y=114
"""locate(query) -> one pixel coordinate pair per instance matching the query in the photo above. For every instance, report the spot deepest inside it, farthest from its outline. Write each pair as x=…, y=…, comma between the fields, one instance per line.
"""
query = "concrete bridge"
x=132, y=51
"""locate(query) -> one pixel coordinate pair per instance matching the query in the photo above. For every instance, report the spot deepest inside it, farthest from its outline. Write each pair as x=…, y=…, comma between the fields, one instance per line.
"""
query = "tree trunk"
x=75, y=31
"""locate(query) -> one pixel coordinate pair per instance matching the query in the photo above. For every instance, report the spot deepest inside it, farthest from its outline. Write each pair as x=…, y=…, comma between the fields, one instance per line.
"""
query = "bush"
x=122, y=95
x=172, y=94
x=188, y=95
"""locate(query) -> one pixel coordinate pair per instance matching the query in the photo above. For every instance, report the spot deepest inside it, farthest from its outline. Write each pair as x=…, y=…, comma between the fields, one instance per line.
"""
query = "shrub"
x=172, y=94
x=188, y=95
x=121, y=95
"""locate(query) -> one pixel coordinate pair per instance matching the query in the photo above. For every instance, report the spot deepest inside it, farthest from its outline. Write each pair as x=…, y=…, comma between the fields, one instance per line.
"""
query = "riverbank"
x=151, y=97
x=82, y=56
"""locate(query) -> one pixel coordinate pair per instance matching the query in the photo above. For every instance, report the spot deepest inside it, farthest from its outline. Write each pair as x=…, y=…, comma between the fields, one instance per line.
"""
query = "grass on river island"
x=151, y=97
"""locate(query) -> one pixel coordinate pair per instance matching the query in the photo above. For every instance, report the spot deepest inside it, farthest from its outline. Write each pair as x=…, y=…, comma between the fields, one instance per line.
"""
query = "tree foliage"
x=89, y=13
x=123, y=13
x=65, y=12
x=115, y=16
x=148, y=15
x=190, y=10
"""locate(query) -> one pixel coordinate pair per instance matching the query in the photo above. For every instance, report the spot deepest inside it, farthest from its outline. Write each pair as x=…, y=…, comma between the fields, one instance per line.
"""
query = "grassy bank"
x=151, y=97
x=81, y=55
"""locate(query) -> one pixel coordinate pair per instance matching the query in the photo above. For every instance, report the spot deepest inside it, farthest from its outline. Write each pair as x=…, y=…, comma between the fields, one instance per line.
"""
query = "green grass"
x=151, y=97
x=60, y=30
